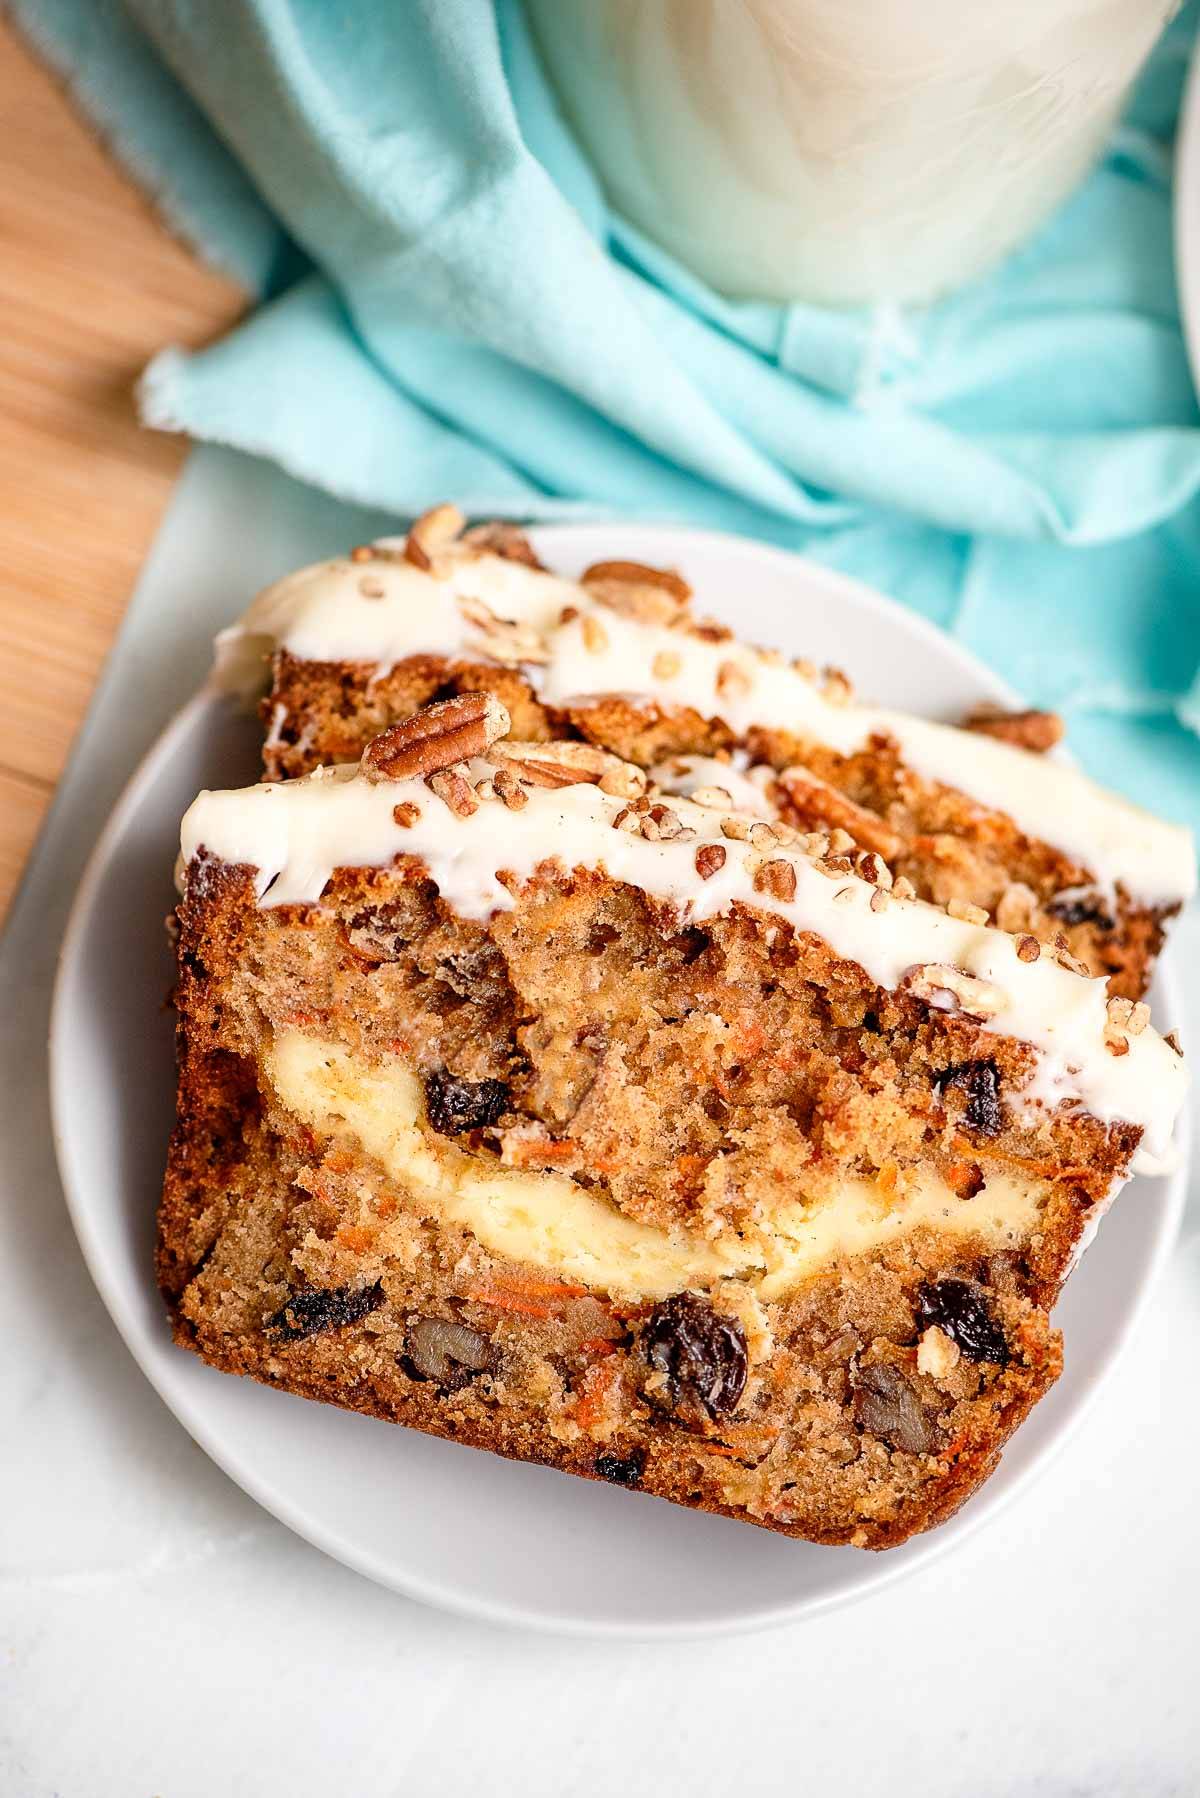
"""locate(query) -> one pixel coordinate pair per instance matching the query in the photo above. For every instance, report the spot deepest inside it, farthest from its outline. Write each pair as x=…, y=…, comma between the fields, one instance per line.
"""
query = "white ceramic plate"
x=434, y=1520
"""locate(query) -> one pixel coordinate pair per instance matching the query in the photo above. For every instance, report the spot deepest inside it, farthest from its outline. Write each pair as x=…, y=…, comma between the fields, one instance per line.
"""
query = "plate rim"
x=879, y=1571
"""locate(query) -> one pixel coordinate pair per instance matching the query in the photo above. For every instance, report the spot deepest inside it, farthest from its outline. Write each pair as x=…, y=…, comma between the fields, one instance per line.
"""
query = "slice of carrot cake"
x=975, y=816
x=644, y=1139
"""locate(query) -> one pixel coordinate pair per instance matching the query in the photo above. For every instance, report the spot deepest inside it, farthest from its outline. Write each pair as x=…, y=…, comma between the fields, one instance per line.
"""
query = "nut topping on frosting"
x=1125, y=1019
x=435, y=528
x=640, y=574
x=777, y=878
x=595, y=637
x=649, y=595
x=454, y=789
x=946, y=989
x=572, y=765
x=824, y=806
x=509, y=790
x=506, y=640
x=1035, y=731
x=733, y=682
x=508, y=541
x=450, y=731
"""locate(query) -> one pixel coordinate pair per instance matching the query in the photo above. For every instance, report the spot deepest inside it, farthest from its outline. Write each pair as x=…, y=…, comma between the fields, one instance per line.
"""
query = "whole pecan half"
x=641, y=575
x=571, y=765
x=650, y=595
x=436, y=737
x=815, y=805
x=1036, y=731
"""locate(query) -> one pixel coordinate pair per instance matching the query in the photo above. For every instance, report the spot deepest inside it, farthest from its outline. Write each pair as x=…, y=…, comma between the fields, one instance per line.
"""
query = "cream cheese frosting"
x=384, y=609
x=295, y=833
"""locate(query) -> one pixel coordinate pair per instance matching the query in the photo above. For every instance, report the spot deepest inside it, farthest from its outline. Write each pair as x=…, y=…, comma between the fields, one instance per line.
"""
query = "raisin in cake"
x=520, y=1106
x=972, y=817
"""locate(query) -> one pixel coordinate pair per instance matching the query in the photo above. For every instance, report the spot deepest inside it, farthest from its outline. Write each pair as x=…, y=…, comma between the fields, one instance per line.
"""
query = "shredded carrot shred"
x=539, y=1149
x=563, y=1289
x=599, y=1345
x=751, y=1432
x=509, y=1301
x=597, y=1384
x=354, y=1236
x=689, y=1172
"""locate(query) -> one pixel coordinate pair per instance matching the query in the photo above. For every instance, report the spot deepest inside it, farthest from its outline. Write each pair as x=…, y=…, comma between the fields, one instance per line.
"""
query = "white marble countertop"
x=162, y=1637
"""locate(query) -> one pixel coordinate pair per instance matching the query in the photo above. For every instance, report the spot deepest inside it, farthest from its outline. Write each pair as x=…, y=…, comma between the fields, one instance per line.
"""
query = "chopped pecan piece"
x=777, y=878
x=966, y=912
x=1125, y=1019
x=506, y=640
x=948, y=989
x=509, y=789
x=455, y=790
x=436, y=737
x=733, y=681
x=431, y=532
x=500, y=538
x=710, y=859
x=595, y=637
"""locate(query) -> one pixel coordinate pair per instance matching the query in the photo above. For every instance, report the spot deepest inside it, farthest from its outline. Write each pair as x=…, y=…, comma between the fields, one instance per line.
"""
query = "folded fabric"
x=449, y=307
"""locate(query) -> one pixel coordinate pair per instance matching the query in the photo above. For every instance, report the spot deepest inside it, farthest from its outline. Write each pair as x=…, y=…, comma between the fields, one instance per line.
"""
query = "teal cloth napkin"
x=448, y=307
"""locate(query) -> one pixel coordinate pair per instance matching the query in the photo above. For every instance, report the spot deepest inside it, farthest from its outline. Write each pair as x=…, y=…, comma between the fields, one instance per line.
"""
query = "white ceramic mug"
x=842, y=151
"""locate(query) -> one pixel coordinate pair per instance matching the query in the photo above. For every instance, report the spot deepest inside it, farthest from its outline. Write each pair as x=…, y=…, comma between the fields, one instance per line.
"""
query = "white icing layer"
x=382, y=610
x=295, y=833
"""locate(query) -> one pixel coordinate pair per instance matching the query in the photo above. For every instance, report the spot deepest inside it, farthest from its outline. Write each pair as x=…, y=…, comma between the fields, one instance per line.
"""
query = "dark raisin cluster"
x=458, y=1105
x=627, y=1472
x=960, y=1309
x=315, y=1308
x=980, y=1080
x=703, y=1355
x=1082, y=908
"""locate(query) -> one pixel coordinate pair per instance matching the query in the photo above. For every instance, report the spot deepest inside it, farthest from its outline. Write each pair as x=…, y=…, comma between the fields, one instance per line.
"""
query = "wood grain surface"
x=91, y=284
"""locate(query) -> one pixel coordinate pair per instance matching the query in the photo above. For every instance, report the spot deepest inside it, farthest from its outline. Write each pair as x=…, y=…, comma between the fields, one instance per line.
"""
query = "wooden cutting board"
x=91, y=284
